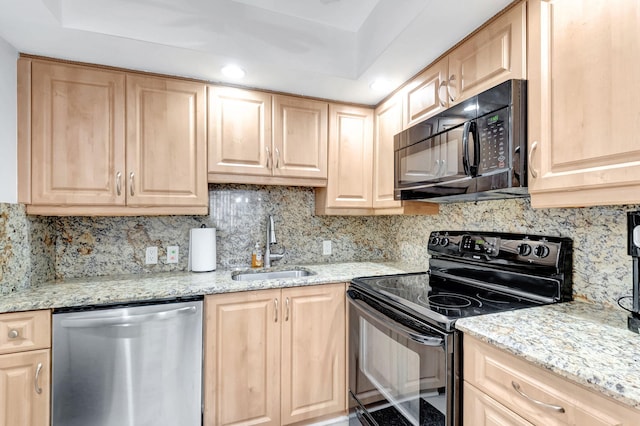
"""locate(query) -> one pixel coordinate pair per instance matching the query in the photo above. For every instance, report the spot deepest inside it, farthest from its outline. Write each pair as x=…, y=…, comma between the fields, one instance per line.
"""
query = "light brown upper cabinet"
x=361, y=163
x=387, y=122
x=256, y=137
x=349, y=183
x=426, y=95
x=494, y=54
x=583, y=95
x=299, y=137
x=100, y=142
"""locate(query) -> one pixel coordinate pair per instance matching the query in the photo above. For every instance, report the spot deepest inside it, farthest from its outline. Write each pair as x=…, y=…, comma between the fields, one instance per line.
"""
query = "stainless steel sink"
x=270, y=275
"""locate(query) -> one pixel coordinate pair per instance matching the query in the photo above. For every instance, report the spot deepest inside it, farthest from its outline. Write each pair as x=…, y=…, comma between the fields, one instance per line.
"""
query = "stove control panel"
x=534, y=250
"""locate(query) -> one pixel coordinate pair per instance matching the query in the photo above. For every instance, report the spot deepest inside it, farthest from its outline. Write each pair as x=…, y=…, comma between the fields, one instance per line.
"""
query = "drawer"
x=482, y=410
x=537, y=395
x=25, y=331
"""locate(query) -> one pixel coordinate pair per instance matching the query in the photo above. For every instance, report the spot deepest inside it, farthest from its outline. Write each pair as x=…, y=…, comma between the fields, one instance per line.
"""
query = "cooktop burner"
x=473, y=274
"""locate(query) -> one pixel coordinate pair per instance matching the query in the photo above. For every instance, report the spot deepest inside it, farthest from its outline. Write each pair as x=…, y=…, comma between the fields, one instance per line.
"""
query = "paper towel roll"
x=202, y=249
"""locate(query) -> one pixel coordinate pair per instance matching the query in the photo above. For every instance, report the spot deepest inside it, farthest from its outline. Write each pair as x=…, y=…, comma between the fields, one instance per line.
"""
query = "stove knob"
x=524, y=249
x=541, y=251
x=444, y=241
x=435, y=240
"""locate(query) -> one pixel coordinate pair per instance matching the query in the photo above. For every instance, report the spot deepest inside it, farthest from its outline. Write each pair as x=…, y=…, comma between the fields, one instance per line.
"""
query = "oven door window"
x=398, y=380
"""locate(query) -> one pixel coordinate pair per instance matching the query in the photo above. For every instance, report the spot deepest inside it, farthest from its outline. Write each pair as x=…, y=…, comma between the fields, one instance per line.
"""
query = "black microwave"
x=475, y=150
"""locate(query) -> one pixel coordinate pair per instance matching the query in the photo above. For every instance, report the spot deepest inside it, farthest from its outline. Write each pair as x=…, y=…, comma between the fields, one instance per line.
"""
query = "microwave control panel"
x=494, y=141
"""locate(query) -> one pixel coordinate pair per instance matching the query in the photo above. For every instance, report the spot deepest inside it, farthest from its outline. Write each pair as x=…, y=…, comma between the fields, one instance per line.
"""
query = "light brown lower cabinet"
x=275, y=357
x=502, y=389
x=25, y=368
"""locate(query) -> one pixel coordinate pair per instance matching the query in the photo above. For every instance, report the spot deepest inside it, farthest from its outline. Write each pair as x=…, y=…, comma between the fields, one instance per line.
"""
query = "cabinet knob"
x=13, y=334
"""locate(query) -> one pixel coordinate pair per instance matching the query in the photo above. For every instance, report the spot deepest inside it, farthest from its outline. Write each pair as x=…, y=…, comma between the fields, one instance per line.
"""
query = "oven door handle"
x=387, y=322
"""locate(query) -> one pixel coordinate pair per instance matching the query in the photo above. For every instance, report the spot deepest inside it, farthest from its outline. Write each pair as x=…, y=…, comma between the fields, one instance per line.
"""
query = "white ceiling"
x=329, y=49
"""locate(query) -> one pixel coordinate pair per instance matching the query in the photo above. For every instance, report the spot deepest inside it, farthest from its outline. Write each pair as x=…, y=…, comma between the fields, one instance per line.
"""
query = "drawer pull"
x=35, y=382
x=13, y=334
x=551, y=407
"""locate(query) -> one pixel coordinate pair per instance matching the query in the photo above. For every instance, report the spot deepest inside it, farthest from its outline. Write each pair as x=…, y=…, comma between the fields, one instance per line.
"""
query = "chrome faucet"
x=271, y=239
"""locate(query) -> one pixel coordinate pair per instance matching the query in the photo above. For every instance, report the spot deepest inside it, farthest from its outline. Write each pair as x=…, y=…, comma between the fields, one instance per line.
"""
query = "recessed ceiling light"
x=233, y=71
x=381, y=85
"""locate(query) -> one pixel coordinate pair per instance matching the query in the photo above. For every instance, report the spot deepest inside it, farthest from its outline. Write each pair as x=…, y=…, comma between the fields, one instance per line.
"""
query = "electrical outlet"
x=326, y=248
x=151, y=257
x=172, y=254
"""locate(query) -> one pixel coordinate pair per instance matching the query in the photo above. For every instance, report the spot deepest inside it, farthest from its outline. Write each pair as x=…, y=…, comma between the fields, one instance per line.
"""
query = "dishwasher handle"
x=125, y=320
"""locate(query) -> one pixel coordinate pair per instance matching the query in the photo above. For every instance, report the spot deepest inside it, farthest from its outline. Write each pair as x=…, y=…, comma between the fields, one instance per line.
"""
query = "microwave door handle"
x=465, y=148
x=387, y=322
x=473, y=131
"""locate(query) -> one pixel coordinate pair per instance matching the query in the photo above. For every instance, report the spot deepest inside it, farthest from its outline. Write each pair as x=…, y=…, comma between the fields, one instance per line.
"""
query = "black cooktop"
x=439, y=301
x=478, y=273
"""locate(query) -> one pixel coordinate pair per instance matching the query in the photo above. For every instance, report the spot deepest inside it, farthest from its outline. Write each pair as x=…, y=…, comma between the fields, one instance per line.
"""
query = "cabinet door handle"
x=36, y=379
x=441, y=98
x=118, y=183
x=131, y=191
x=551, y=407
x=268, y=157
x=275, y=316
x=277, y=158
x=534, y=172
x=13, y=333
x=286, y=312
x=450, y=85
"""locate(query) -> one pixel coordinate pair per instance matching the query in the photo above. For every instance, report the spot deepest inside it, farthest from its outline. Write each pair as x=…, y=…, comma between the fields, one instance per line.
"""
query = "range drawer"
x=25, y=331
x=482, y=410
x=537, y=395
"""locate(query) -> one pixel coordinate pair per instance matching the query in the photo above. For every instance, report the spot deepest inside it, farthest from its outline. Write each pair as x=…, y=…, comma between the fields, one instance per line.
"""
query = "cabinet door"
x=495, y=54
x=583, y=94
x=388, y=122
x=349, y=182
x=78, y=135
x=426, y=95
x=313, y=352
x=24, y=389
x=242, y=358
x=239, y=132
x=300, y=138
x=166, y=145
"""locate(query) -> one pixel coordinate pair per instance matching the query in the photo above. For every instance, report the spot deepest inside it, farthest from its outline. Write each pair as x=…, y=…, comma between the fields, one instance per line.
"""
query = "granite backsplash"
x=38, y=249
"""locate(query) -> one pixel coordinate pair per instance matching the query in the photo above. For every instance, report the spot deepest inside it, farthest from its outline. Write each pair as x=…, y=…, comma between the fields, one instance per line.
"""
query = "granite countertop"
x=585, y=343
x=132, y=288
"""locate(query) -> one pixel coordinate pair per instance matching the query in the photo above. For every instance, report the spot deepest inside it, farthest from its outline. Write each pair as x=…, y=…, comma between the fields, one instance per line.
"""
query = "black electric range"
x=474, y=273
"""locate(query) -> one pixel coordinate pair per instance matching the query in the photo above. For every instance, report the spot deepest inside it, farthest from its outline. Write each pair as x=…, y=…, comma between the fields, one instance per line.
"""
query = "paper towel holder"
x=202, y=249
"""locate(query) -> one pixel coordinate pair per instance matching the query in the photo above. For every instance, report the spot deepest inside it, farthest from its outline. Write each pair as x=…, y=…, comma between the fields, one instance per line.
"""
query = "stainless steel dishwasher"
x=133, y=365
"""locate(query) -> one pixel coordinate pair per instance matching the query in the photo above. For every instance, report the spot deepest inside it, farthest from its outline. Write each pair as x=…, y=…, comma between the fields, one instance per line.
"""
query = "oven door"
x=400, y=370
